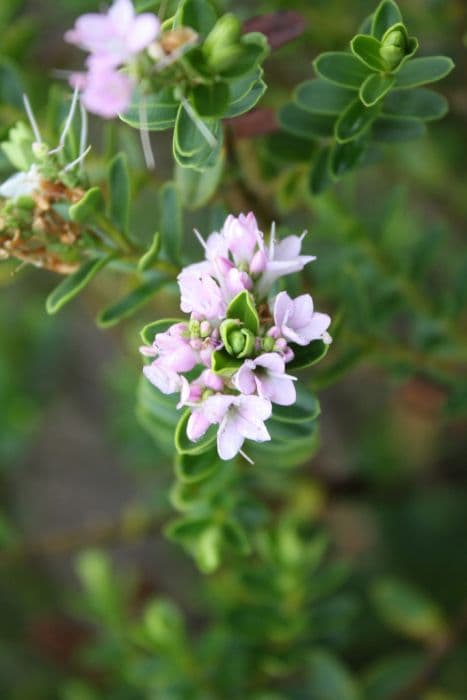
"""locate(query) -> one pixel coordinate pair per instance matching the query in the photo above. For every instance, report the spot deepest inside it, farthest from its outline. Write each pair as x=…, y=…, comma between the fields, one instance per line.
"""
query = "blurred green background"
x=390, y=479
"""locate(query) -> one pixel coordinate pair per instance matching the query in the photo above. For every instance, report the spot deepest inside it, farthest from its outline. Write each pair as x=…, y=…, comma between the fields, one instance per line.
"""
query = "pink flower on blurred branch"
x=105, y=91
x=116, y=36
x=266, y=376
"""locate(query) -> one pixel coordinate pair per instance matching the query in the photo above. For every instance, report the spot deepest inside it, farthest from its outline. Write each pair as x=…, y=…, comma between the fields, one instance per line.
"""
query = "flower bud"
x=194, y=328
x=258, y=263
x=39, y=150
x=394, y=48
x=221, y=47
x=238, y=340
x=268, y=343
x=205, y=329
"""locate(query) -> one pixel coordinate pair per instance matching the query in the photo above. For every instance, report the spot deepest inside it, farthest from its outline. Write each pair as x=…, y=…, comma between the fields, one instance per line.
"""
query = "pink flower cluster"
x=113, y=41
x=237, y=395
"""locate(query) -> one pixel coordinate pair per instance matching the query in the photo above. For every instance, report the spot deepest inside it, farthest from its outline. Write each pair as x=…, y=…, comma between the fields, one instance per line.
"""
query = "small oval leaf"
x=75, y=283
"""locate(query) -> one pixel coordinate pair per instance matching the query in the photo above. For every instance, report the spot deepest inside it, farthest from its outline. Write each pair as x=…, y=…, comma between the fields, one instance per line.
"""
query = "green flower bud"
x=193, y=327
x=221, y=46
x=394, y=48
x=267, y=343
x=40, y=150
x=238, y=340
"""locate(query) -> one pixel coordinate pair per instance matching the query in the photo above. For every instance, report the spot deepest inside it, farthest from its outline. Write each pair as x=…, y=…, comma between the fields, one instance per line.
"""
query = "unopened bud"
x=394, y=48
x=204, y=329
x=258, y=263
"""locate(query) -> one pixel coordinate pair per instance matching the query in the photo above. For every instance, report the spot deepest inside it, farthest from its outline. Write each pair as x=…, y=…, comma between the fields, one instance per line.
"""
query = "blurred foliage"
x=353, y=587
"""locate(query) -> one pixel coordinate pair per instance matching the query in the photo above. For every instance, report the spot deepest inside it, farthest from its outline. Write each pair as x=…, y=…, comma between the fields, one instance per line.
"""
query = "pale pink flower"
x=175, y=350
x=201, y=294
x=297, y=321
x=164, y=378
x=266, y=376
x=105, y=90
x=284, y=258
x=242, y=235
x=239, y=417
x=116, y=36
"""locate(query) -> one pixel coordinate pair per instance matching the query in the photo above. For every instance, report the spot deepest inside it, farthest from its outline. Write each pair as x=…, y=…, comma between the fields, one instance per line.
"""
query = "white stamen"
x=200, y=239
x=32, y=119
x=200, y=125
x=272, y=240
x=70, y=116
x=144, y=135
x=83, y=136
x=245, y=456
x=77, y=160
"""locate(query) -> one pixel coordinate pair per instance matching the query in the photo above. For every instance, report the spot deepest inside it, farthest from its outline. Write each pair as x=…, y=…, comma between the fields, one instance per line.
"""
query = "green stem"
x=118, y=237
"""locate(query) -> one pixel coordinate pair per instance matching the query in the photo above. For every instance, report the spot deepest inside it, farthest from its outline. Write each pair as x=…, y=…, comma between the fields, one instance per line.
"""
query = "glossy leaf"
x=407, y=610
x=155, y=112
x=171, y=221
x=248, y=101
x=224, y=364
x=90, y=205
x=305, y=124
x=387, y=14
x=341, y=68
x=185, y=446
x=367, y=49
x=320, y=175
x=192, y=468
x=328, y=679
x=119, y=192
x=393, y=130
x=355, y=120
x=196, y=191
x=346, y=156
x=197, y=142
x=375, y=87
x=420, y=71
x=151, y=255
x=200, y=15
x=306, y=408
x=308, y=355
x=322, y=97
x=211, y=100
x=131, y=302
x=242, y=308
x=417, y=104
x=73, y=284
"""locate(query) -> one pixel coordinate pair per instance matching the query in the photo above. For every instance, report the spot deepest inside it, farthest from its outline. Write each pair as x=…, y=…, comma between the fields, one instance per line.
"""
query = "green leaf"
x=192, y=468
x=149, y=332
x=242, y=308
x=196, y=191
x=155, y=112
x=387, y=14
x=320, y=174
x=284, y=148
x=375, y=87
x=224, y=364
x=322, y=97
x=424, y=70
x=306, y=408
x=305, y=124
x=235, y=536
x=355, y=120
x=185, y=446
x=171, y=221
x=151, y=255
x=416, y=104
x=394, y=130
x=407, y=610
x=211, y=100
x=131, y=302
x=11, y=84
x=346, y=156
x=200, y=15
x=253, y=48
x=389, y=676
x=328, y=679
x=248, y=101
x=18, y=148
x=197, y=142
x=367, y=49
x=308, y=355
x=90, y=205
x=341, y=68
x=72, y=285
x=119, y=192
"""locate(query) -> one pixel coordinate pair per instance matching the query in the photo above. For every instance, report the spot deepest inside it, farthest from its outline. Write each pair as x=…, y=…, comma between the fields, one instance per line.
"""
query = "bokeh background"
x=390, y=478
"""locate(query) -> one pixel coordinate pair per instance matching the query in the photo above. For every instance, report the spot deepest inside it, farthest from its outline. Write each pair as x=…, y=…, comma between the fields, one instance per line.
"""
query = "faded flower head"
x=240, y=336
